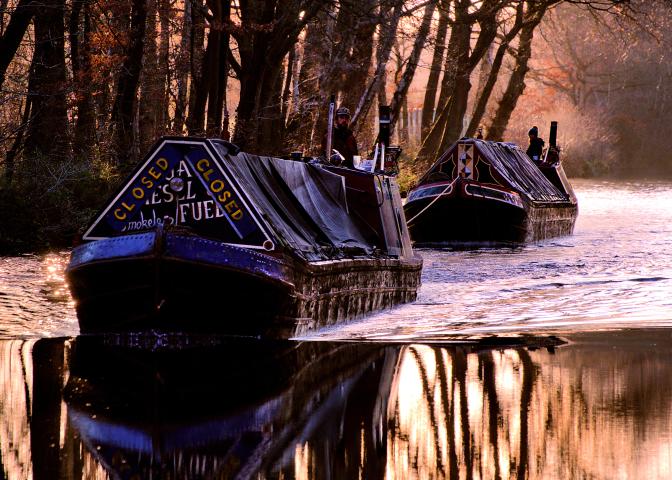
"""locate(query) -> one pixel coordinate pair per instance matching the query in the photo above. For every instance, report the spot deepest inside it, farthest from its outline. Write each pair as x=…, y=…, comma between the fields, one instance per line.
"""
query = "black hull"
x=176, y=282
x=169, y=294
x=464, y=220
x=490, y=192
x=460, y=219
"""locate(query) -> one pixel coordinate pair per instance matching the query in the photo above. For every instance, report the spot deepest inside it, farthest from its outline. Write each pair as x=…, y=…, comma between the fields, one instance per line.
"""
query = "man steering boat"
x=343, y=140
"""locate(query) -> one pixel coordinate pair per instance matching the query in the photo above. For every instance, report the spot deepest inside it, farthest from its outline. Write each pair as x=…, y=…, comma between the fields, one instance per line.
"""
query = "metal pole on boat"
x=330, y=127
x=384, y=124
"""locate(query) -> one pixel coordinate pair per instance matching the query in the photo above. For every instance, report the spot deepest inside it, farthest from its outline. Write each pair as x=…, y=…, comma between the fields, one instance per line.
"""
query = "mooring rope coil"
x=450, y=185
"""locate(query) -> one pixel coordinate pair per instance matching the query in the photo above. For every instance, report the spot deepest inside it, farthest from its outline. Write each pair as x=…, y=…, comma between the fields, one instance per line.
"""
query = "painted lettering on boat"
x=189, y=208
x=218, y=187
x=188, y=212
x=210, y=201
x=156, y=171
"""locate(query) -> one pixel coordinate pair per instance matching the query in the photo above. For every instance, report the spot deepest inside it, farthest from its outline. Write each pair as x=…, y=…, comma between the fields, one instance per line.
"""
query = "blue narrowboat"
x=205, y=238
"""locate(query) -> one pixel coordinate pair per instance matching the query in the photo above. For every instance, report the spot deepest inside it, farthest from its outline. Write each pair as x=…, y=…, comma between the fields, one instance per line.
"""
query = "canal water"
x=614, y=272
x=552, y=360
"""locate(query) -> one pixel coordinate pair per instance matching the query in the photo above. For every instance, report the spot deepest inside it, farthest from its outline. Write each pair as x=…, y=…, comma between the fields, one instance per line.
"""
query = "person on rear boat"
x=342, y=139
x=536, y=148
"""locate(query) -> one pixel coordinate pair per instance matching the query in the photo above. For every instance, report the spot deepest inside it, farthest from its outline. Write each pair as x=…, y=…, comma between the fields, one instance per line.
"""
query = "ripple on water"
x=34, y=297
x=614, y=272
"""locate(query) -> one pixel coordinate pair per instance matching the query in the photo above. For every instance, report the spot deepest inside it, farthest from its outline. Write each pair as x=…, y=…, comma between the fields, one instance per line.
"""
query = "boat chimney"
x=384, y=114
x=552, y=140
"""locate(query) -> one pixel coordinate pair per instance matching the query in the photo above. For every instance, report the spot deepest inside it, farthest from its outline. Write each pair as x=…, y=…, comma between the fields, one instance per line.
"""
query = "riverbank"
x=48, y=204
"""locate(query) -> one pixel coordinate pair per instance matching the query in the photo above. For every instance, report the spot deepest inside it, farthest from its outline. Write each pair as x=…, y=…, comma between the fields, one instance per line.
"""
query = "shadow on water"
x=154, y=407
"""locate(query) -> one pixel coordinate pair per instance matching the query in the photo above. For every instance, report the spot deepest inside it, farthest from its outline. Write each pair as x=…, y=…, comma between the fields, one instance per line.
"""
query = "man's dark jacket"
x=344, y=141
x=536, y=148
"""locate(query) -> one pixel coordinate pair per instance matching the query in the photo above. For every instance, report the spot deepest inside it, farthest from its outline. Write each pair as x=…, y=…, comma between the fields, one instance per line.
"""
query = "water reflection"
x=87, y=408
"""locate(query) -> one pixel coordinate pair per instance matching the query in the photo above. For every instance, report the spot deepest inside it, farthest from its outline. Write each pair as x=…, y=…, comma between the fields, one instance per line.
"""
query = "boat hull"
x=479, y=192
x=460, y=218
x=180, y=282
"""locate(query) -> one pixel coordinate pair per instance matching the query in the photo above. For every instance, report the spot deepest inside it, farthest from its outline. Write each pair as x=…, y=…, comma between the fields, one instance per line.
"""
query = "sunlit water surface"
x=614, y=272
x=34, y=297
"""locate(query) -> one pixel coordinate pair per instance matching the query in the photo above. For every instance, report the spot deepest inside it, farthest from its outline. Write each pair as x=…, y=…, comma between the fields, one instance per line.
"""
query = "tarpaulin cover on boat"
x=512, y=164
x=305, y=204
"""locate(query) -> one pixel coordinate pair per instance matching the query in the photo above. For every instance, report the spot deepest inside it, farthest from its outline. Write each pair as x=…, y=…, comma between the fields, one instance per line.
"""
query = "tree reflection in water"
x=446, y=419
x=88, y=408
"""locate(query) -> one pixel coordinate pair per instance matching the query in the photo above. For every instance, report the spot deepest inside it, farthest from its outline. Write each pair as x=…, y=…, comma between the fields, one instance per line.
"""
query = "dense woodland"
x=87, y=86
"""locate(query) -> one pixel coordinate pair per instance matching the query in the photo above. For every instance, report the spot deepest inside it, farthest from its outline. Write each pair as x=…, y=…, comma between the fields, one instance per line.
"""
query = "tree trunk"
x=516, y=84
x=74, y=34
x=289, y=77
x=455, y=86
x=465, y=65
x=295, y=85
x=459, y=29
x=162, y=119
x=302, y=123
x=484, y=71
x=357, y=65
x=387, y=36
x=429, y=103
x=460, y=36
x=153, y=101
x=150, y=81
x=196, y=116
x=262, y=54
x=182, y=65
x=219, y=69
x=221, y=116
x=3, y=9
x=125, y=102
x=13, y=34
x=486, y=92
x=430, y=144
x=399, y=95
x=10, y=159
x=253, y=69
x=403, y=132
x=80, y=54
x=345, y=72
x=271, y=126
x=493, y=74
x=47, y=85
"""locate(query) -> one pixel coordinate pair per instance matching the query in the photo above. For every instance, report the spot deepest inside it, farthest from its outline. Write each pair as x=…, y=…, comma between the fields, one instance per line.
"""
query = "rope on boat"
x=449, y=186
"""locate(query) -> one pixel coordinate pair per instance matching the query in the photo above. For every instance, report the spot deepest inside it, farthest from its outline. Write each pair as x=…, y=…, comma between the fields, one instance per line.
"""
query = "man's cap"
x=344, y=111
x=534, y=131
